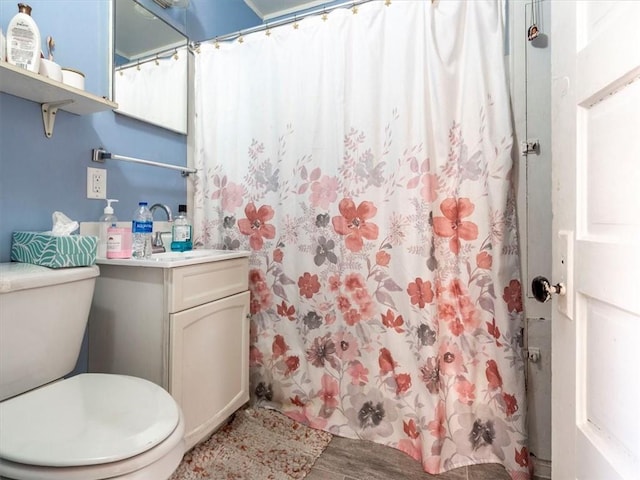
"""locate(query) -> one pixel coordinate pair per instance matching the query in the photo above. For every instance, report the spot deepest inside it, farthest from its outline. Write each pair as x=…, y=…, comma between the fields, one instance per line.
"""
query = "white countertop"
x=167, y=259
x=176, y=259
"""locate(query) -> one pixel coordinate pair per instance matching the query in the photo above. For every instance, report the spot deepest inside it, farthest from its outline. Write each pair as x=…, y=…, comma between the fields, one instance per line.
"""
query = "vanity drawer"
x=198, y=284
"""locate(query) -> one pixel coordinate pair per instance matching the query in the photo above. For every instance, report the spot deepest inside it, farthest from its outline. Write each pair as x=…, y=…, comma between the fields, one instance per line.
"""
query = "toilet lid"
x=88, y=419
x=16, y=276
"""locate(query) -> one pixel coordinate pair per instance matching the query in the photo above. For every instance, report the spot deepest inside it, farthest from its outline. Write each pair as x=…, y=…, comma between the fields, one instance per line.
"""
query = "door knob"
x=543, y=290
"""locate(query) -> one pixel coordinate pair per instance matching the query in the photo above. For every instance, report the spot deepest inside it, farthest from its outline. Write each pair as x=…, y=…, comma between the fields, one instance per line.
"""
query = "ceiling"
x=139, y=33
x=267, y=9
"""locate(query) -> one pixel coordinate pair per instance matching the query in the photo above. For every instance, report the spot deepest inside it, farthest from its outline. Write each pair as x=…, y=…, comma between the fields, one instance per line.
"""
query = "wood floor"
x=346, y=459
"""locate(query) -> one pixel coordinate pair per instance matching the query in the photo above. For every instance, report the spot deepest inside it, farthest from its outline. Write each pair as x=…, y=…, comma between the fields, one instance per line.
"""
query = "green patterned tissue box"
x=54, y=252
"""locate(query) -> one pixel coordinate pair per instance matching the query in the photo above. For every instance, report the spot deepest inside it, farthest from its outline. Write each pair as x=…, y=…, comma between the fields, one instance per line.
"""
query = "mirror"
x=149, y=67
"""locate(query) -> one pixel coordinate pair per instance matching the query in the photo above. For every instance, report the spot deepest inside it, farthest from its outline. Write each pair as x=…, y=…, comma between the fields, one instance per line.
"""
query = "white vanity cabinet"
x=185, y=328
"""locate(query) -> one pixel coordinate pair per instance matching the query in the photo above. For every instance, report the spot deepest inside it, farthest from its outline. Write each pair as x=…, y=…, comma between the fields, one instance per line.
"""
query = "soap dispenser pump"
x=106, y=220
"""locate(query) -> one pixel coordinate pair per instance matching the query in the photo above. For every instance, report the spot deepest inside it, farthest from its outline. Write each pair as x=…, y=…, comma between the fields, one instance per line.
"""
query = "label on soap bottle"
x=118, y=242
x=114, y=243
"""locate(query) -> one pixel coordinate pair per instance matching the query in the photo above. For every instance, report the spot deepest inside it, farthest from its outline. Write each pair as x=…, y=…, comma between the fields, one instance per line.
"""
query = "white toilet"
x=86, y=427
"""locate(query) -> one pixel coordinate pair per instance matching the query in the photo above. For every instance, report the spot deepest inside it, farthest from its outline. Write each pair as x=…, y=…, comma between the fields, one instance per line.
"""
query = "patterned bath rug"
x=258, y=444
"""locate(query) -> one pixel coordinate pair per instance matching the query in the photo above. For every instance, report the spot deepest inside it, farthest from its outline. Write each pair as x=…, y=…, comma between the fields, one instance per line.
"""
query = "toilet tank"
x=43, y=316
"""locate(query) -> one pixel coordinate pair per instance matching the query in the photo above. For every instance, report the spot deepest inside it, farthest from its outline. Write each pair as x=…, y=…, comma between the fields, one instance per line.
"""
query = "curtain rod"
x=292, y=18
x=163, y=55
x=100, y=155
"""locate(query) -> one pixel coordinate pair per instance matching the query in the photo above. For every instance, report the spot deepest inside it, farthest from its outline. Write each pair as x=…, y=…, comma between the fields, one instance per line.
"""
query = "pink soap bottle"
x=119, y=241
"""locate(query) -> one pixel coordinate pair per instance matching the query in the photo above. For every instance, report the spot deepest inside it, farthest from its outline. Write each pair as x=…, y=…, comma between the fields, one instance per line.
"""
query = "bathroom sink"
x=173, y=256
x=177, y=259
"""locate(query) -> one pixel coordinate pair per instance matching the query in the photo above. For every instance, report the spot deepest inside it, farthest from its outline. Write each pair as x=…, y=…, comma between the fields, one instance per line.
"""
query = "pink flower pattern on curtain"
x=384, y=273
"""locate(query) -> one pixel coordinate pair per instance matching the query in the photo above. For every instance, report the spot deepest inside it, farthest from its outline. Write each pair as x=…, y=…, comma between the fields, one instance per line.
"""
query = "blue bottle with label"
x=181, y=232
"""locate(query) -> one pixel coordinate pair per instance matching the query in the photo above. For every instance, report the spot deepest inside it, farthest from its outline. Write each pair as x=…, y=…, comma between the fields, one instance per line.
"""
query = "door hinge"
x=530, y=146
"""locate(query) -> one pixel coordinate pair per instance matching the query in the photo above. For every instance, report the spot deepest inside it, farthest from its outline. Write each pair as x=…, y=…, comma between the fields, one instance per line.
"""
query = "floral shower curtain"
x=363, y=157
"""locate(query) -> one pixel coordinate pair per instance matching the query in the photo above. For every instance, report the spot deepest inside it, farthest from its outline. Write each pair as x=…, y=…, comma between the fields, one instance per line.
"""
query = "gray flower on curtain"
x=230, y=244
x=481, y=434
x=229, y=221
x=374, y=174
x=431, y=375
x=371, y=414
x=267, y=179
x=426, y=335
x=470, y=166
x=322, y=351
x=324, y=251
x=312, y=320
x=481, y=430
x=264, y=391
x=322, y=220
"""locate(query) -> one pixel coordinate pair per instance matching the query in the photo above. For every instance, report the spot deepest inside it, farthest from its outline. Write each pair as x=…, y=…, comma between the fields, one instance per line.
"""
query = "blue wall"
x=38, y=175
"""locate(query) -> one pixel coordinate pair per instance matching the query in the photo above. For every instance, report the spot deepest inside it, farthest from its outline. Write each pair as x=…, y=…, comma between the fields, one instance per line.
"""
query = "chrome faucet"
x=157, y=246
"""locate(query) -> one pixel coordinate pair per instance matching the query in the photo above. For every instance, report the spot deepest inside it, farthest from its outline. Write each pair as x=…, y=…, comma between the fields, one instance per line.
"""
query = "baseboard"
x=541, y=469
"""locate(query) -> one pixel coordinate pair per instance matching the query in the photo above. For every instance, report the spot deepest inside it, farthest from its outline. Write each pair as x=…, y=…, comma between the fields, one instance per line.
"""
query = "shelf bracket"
x=49, y=115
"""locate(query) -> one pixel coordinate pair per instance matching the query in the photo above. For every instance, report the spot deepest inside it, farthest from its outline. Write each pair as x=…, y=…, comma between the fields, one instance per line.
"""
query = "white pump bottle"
x=106, y=220
x=23, y=40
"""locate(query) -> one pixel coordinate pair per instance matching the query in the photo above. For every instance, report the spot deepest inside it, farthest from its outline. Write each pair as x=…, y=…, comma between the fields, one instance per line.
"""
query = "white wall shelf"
x=52, y=95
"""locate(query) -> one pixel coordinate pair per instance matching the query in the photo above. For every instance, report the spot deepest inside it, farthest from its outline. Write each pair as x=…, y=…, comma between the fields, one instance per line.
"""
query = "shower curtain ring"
x=533, y=31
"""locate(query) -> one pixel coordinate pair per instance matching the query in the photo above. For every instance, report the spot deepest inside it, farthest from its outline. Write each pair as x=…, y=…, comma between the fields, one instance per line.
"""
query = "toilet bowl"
x=90, y=427
x=86, y=427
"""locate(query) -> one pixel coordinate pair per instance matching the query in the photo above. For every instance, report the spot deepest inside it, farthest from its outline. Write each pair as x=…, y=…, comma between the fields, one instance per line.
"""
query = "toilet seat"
x=89, y=427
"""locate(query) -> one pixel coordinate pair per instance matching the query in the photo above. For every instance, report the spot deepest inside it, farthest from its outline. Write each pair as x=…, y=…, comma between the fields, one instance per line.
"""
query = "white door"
x=596, y=244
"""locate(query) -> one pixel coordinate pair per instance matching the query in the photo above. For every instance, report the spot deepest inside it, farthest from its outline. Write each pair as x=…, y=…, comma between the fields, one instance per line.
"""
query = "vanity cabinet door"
x=209, y=363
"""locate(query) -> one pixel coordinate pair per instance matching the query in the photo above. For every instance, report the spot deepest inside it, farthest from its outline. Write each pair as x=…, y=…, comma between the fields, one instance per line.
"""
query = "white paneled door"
x=596, y=245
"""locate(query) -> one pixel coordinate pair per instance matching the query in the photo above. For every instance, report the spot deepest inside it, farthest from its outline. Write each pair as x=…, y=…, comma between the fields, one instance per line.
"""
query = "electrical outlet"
x=96, y=183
